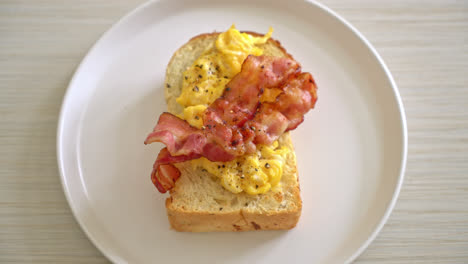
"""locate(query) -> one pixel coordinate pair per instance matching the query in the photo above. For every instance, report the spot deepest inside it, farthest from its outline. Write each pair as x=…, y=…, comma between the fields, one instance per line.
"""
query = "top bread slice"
x=198, y=202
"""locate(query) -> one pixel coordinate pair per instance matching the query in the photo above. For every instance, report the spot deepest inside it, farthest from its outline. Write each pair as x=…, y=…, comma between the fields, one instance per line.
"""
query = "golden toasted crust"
x=242, y=220
x=198, y=203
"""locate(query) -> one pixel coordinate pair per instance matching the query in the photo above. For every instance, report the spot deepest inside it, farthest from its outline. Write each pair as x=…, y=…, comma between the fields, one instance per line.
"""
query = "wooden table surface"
x=424, y=43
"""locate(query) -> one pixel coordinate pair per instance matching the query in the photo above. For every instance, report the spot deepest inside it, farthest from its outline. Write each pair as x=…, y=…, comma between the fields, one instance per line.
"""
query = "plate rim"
x=404, y=129
x=329, y=11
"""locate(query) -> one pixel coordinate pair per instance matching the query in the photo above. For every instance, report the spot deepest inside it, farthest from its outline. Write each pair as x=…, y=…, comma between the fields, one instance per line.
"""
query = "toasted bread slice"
x=198, y=202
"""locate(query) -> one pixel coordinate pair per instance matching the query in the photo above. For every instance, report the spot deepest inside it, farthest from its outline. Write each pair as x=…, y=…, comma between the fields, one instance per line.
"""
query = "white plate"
x=351, y=149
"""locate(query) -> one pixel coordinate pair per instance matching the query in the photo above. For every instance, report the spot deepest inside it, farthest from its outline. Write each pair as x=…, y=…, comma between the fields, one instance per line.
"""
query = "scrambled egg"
x=203, y=83
x=253, y=173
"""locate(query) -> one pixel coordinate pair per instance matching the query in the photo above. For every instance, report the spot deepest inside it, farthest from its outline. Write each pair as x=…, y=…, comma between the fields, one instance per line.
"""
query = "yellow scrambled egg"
x=203, y=83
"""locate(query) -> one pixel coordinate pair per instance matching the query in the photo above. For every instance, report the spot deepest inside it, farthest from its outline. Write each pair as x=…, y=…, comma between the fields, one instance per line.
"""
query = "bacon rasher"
x=237, y=121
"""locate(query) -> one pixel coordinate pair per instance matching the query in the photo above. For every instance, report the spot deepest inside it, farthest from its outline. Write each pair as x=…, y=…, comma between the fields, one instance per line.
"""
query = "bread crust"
x=243, y=219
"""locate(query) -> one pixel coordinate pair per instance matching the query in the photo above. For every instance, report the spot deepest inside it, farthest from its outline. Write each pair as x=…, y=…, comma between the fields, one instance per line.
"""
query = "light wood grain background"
x=424, y=43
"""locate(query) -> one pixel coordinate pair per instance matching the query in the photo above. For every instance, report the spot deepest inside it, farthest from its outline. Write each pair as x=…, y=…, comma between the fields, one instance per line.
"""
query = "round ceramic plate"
x=351, y=149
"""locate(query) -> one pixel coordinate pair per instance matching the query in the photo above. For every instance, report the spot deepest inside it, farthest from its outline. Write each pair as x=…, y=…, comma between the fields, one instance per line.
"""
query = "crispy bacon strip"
x=225, y=119
x=287, y=112
x=236, y=121
x=179, y=137
x=228, y=120
x=165, y=174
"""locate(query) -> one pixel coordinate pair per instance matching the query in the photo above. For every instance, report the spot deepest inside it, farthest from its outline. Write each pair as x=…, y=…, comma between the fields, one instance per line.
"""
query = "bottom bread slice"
x=198, y=203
